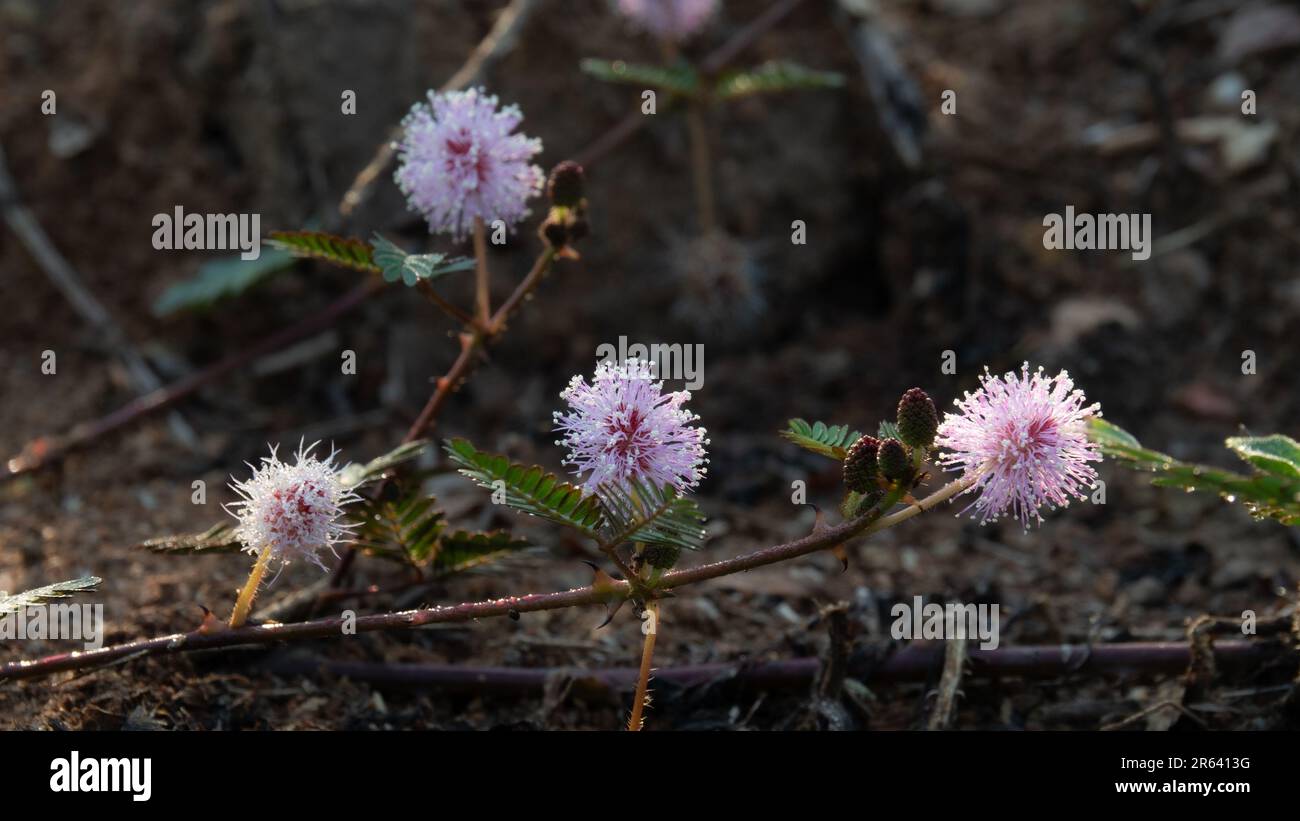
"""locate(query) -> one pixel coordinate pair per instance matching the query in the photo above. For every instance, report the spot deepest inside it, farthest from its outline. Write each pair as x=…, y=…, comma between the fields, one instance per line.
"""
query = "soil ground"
x=189, y=104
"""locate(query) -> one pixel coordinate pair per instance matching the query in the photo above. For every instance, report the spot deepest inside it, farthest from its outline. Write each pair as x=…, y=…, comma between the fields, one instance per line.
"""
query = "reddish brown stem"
x=610, y=590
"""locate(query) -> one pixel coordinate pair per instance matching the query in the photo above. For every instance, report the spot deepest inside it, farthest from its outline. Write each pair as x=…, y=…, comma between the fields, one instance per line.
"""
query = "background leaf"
x=828, y=440
x=221, y=278
x=774, y=76
x=396, y=264
x=51, y=592
x=678, y=79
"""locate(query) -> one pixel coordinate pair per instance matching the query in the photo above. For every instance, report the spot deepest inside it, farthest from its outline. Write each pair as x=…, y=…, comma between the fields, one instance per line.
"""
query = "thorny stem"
x=482, y=294
x=650, y=627
x=579, y=596
x=244, y=603
x=611, y=551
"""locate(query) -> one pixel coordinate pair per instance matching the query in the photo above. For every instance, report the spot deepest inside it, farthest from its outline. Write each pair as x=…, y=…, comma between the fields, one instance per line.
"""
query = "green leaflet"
x=1276, y=454
x=396, y=264
x=465, y=550
x=530, y=489
x=48, y=593
x=828, y=440
x=220, y=538
x=678, y=79
x=348, y=253
x=402, y=529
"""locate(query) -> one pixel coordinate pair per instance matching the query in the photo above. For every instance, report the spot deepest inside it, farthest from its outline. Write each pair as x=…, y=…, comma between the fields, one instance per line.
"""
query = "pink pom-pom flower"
x=1022, y=441
x=673, y=20
x=294, y=509
x=459, y=161
x=623, y=427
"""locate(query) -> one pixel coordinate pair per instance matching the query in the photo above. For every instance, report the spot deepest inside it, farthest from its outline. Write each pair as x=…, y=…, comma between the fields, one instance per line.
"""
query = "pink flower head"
x=623, y=427
x=1022, y=440
x=293, y=509
x=674, y=20
x=459, y=161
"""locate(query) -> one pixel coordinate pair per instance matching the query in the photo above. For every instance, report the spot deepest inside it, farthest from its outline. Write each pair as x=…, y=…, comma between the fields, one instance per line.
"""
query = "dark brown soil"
x=188, y=104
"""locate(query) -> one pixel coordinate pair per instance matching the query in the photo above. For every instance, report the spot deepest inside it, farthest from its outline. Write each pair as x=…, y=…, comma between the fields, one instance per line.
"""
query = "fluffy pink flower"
x=295, y=509
x=674, y=20
x=624, y=427
x=458, y=161
x=1022, y=438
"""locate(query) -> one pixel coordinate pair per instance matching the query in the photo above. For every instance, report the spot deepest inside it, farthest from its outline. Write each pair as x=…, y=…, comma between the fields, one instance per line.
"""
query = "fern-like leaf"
x=396, y=264
x=406, y=528
x=779, y=75
x=529, y=489
x=347, y=252
x=1271, y=492
x=651, y=515
x=220, y=538
x=827, y=440
x=48, y=593
x=466, y=550
x=678, y=79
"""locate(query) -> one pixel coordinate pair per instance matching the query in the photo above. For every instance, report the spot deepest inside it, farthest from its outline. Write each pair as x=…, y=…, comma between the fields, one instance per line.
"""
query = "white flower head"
x=623, y=427
x=293, y=509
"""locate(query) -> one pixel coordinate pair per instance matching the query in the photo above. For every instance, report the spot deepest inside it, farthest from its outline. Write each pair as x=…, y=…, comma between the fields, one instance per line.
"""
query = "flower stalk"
x=641, y=700
x=244, y=604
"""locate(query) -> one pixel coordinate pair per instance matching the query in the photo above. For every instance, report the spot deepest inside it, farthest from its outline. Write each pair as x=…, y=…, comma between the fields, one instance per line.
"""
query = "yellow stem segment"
x=244, y=603
x=650, y=627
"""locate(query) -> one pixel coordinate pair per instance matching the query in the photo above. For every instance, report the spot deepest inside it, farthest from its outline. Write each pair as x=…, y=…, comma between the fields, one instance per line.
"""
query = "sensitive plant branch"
x=605, y=591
